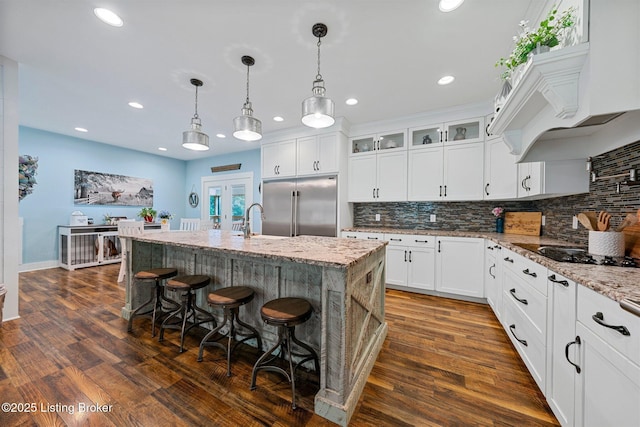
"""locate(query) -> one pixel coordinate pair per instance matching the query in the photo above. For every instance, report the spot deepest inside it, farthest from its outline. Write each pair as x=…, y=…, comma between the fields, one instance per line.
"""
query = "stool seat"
x=186, y=284
x=158, y=296
x=156, y=273
x=230, y=299
x=192, y=282
x=286, y=311
x=233, y=296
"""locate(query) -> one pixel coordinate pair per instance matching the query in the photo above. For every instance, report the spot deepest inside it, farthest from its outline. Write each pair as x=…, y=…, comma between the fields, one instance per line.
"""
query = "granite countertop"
x=617, y=283
x=322, y=251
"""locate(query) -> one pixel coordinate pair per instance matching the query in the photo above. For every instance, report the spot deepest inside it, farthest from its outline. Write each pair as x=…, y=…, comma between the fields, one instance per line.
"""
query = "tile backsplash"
x=558, y=211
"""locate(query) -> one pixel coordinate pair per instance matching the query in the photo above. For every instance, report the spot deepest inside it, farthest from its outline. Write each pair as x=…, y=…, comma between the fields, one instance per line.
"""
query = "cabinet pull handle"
x=374, y=193
x=445, y=191
x=351, y=237
x=562, y=282
x=523, y=342
x=441, y=191
x=409, y=256
x=438, y=245
x=318, y=164
x=509, y=260
x=490, y=248
x=528, y=273
x=421, y=241
x=446, y=135
x=522, y=184
x=405, y=256
x=486, y=189
x=498, y=247
x=377, y=193
x=513, y=294
x=275, y=170
x=527, y=179
x=372, y=238
x=440, y=136
x=486, y=129
x=395, y=240
x=599, y=319
x=566, y=352
x=490, y=273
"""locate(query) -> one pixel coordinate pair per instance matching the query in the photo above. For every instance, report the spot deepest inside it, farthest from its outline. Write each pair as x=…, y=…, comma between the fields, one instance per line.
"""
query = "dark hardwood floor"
x=444, y=362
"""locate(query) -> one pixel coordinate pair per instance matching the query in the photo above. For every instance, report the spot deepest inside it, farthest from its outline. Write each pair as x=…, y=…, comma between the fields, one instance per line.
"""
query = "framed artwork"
x=97, y=188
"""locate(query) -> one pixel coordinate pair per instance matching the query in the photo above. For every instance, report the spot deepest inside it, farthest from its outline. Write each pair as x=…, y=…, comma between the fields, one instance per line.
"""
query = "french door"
x=225, y=199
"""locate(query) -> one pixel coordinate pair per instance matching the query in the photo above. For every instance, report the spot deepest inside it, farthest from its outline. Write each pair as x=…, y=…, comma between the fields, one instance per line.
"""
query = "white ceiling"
x=77, y=71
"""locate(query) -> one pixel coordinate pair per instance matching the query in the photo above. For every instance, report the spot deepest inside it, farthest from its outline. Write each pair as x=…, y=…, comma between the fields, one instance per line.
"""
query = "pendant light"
x=246, y=127
x=195, y=139
x=317, y=110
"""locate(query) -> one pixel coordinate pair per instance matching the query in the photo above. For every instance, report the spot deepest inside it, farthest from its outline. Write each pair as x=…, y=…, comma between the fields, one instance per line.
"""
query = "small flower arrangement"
x=147, y=214
x=546, y=35
x=498, y=212
x=165, y=215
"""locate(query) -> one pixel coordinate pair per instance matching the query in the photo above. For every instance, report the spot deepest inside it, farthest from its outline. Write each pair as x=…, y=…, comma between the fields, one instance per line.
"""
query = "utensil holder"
x=607, y=243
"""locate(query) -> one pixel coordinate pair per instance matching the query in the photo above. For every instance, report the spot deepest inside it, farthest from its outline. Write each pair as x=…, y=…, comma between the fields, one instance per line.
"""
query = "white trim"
x=41, y=265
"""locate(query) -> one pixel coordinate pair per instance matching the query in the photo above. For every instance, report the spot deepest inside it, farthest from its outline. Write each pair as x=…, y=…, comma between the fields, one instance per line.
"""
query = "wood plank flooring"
x=444, y=363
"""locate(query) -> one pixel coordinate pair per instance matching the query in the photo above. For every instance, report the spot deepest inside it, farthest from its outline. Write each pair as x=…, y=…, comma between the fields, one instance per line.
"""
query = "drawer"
x=412, y=240
x=361, y=235
x=531, y=303
x=625, y=338
x=526, y=341
x=531, y=272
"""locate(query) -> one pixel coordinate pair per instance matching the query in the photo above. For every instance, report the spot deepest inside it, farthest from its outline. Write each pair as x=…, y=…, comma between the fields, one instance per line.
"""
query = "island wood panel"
x=347, y=336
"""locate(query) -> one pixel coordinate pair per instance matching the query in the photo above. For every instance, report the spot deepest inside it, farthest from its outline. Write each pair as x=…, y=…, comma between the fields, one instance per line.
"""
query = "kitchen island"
x=343, y=280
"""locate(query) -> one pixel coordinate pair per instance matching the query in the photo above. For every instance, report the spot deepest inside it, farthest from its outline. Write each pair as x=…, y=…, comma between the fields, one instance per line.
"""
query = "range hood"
x=581, y=100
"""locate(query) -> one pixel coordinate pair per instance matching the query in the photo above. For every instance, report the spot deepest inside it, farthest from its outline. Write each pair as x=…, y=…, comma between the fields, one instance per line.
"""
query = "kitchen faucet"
x=246, y=227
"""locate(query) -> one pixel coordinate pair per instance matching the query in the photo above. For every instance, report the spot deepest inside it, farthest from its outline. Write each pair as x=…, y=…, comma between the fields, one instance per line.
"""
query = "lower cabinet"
x=410, y=261
x=459, y=266
x=493, y=277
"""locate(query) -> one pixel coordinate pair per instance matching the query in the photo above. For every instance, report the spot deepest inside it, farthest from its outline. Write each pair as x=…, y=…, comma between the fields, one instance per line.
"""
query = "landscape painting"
x=97, y=188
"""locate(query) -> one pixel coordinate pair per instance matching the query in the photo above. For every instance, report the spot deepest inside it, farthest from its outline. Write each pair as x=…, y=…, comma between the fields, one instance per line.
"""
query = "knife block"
x=607, y=243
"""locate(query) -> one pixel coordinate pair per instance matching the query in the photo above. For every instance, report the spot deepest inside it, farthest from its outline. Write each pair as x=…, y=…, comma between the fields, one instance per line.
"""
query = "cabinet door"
x=561, y=331
x=463, y=172
x=608, y=386
x=500, y=171
x=421, y=271
x=397, y=265
x=392, y=177
x=279, y=159
x=459, y=264
x=493, y=289
x=307, y=155
x=328, y=154
x=425, y=174
x=395, y=140
x=536, y=178
x=465, y=131
x=362, y=178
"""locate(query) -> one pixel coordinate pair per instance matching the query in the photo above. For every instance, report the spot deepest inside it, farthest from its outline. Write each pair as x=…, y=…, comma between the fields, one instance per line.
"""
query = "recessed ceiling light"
x=446, y=80
x=351, y=101
x=449, y=5
x=278, y=119
x=108, y=17
x=162, y=149
x=136, y=105
x=221, y=135
x=81, y=129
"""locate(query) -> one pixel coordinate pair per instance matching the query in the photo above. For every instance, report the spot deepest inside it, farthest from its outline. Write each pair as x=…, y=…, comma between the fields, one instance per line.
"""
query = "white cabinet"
x=318, y=154
x=459, y=266
x=493, y=277
x=440, y=168
x=552, y=178
x=378, y=176
x=279, y=159
x=362, y=235
x=608, y=385
x=561, y=352
x=410, y=261
x=500, y=171
x=380, y=142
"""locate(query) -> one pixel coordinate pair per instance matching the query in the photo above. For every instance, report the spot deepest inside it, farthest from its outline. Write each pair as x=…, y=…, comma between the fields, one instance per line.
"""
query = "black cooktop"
x=579, y=255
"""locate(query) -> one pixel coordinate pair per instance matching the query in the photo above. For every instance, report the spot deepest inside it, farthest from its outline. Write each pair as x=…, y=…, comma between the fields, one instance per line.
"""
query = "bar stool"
x=187, y=284
x=229, y=300
x=157, y=275
x=286, y=313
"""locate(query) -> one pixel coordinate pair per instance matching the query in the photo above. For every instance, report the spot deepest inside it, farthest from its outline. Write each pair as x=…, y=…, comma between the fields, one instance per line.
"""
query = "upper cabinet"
x=459, y=131
x=552, y=178
x=500, y=167
x=318, y=154
x=387, y=141
x=279, y=159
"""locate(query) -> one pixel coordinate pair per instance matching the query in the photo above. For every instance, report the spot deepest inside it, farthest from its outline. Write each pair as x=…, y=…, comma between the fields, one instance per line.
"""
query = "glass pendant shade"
x=317, y=110
x=246, y=127
x=195, y=139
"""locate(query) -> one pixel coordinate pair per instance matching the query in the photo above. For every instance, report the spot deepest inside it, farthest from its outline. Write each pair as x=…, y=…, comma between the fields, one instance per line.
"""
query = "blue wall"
x=51, y=202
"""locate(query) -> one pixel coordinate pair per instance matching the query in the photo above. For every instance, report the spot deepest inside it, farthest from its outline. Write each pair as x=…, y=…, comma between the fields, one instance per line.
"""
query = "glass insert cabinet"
x=388, y=141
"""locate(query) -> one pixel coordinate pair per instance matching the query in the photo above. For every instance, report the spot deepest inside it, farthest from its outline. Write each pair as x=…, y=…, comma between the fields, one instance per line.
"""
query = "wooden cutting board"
x=632, y=240
x=525, y=223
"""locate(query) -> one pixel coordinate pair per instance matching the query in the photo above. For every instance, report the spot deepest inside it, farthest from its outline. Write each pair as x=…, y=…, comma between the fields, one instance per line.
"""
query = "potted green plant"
x=546, y=36
x=147, y=214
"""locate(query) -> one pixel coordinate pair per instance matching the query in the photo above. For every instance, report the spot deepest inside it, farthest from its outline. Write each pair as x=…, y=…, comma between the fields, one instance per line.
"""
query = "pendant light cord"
x=318, y=76
x=195, y=116
x=247, y=84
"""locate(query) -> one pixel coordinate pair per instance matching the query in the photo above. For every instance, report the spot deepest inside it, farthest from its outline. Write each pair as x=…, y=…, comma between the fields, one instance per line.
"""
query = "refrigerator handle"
x=296, y=194
x=292, y=210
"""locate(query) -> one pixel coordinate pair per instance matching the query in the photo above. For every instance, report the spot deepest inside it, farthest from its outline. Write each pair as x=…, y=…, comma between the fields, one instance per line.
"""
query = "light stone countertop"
x=322, y=251
x=616, y=283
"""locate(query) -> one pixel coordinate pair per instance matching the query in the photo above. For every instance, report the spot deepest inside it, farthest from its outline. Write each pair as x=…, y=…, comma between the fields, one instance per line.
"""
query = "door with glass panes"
x=225, y=200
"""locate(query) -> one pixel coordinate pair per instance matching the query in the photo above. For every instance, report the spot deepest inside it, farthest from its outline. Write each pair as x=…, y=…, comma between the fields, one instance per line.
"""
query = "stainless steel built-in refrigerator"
x=303, y=206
